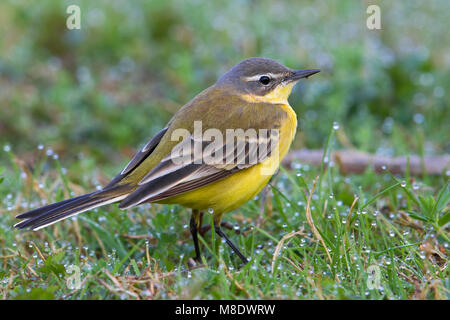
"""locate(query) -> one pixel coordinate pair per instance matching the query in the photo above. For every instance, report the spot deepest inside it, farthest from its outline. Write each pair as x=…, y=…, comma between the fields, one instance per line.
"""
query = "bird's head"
x=263, y=80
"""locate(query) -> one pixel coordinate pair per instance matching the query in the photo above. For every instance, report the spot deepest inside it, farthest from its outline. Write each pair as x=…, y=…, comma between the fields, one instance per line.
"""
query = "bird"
x=174, y=168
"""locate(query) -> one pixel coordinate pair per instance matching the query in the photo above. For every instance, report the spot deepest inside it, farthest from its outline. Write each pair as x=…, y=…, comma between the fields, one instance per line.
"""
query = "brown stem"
x=350, y=161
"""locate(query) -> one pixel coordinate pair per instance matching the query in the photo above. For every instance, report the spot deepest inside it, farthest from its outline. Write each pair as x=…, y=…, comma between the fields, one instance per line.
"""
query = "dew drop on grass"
x=296, y=165
x=403, y=184
x=335, y=125
x=210, y=210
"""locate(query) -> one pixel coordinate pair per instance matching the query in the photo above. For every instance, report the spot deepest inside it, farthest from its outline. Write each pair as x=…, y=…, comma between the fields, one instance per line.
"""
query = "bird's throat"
x=279, y=95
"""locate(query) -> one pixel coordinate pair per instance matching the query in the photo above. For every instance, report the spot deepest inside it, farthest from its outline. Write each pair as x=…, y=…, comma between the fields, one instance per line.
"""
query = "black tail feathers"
x=47, y=215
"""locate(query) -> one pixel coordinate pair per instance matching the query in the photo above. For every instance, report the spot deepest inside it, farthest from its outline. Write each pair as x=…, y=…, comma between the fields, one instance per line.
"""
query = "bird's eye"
x=264, y=80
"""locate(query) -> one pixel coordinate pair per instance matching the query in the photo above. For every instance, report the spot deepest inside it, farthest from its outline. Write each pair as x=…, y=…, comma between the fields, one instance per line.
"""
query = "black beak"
x=300, y=74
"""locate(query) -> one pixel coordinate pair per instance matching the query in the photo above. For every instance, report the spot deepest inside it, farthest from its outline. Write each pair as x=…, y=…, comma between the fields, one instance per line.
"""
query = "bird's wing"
x=138, y=158
x=158, y=176
x=194, y=163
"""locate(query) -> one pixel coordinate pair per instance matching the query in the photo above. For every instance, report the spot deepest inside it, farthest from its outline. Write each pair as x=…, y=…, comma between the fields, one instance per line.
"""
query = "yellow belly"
x=231, y=192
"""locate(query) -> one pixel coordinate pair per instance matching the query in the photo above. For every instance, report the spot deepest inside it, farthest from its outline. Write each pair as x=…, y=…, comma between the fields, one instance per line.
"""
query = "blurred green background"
x=100, y=92
x=91, y=97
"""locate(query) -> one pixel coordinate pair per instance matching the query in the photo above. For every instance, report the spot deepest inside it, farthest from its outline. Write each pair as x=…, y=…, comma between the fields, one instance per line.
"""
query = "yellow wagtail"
x=251, y=99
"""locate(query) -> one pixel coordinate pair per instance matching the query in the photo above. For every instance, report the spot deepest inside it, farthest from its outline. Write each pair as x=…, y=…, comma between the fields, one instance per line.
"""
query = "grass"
x=395, y=225
x=75, y=105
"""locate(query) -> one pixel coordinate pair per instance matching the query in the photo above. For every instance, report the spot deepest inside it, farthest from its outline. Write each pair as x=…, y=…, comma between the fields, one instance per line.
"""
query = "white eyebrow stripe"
x=256, y=77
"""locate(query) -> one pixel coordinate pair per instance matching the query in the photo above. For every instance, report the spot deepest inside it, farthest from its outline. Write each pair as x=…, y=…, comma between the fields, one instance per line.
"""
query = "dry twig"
x=350, y=161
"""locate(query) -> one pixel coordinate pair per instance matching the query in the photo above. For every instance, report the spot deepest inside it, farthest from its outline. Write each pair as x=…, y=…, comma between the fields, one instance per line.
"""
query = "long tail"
x=45, y=216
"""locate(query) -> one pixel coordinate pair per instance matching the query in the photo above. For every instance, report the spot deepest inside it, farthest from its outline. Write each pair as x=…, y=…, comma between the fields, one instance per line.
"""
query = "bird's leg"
x=196, y=222
x=232, y=246
x=205, y=228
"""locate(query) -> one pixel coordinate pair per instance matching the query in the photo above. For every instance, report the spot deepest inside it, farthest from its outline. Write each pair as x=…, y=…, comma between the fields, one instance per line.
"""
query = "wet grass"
x=75, y=105
x=369, y=237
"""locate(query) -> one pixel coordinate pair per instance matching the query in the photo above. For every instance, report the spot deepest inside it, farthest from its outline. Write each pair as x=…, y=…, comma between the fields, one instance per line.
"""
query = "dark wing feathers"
x=39, y=211
x=169, y=179
x=139, y=157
